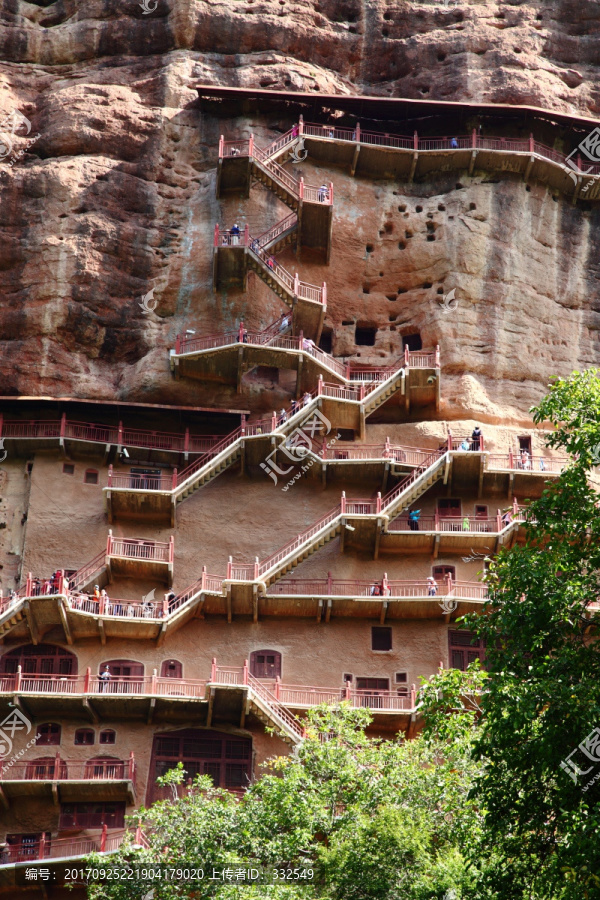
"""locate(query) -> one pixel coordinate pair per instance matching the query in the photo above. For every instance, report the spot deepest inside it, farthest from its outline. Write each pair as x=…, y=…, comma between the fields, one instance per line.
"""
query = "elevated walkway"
x=234, y=255
x=240, y=161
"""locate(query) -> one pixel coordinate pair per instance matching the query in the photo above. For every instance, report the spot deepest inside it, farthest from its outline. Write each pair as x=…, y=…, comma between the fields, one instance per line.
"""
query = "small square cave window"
x=365, y=337
x=381, y=638
x=91, y=476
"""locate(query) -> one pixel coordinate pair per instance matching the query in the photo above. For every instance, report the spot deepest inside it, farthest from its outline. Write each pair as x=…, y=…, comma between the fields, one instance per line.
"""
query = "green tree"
x=374, y=820
x=541, y=819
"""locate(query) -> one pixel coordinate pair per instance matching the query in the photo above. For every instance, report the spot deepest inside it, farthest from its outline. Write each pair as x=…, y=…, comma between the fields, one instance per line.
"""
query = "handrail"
x=139, y=548
x=372, y=589
x=69, y=847
x=57, y=769
x=86, y=571
x=471, y=141
x=106, y=434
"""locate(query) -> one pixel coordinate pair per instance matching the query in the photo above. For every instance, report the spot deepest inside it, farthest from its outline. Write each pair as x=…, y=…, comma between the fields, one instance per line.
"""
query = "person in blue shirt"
x=413, y=519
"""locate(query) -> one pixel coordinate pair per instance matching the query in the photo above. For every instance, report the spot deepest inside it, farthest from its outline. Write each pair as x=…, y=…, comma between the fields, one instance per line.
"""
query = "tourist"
x=307, y=399
x=295, y=407
x=235, y=234
x=413, y=519
x=476, y=438
x=542, y=464
x=466, y=524
x=506, y=518
x=295, y=131
x=431, y=586
x=271, y=262
x=104, y=601
x=525, y=460
x=465, y=444
x=97, y=592
x=104, y=679
x=255, y=246
x=454, y=143
x=375, y=590
x=244, y=334
x=170, y=597
x=308, y=344
x=284, y=324
x=282, y=417
x=323, y=193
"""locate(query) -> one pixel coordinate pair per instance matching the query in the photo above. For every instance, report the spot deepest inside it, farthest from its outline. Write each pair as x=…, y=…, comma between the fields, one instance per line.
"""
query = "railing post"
x=246, y=235
x=174, y=479
x=221, y=146
x=498, y=522
x=213, y=670
x=378, y=504
x=343, y=502
x=256, y=568
x=347, y=692
x=42, y=853
x=178, y=345
x=277, y=686
x=449, y=582
x=103, y=838
x=331, y=193
x=138, y=833
x=63, y=427
x=229, y=566
x=18, y=679
x=301, y=124
x=186, y=443
x=120, y=435
x=415, y=141
x=387, y=448
x=362, y=391
x=450, y=445
x=101, y=605
x=436, y=524
x=324, y=294
x=165, y=609
x=216, y=237
x=406, y=355
x=515, y=507
x=274, y=421
x=153, y=682
x=437, y=356
x=301, y=188
x=329, y=582
x=296, y=284
x=245, y=673
x=300, y=339
x=241, y=332
x=511, y=459
x=320, y=386
x=87, y=680
x=357, y=133
x=203, y=586
x=131, y=766
x=531, y=144
x=29, y=585
x=56, y=766
x=171, y=549
x=413, y=695
x=251, y=146
x=384, y=585
x=243, y=425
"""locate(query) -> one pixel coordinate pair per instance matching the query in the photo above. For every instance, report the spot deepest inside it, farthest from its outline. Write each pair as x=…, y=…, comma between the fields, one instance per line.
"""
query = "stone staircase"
x=12, y=617
x=272, y=713
x=378, y=396
x=202, y=471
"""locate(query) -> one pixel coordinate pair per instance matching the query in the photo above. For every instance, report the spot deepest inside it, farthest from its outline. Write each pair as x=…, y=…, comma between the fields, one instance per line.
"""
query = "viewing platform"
x=235, y=254
x=69, y=780
x=51, y=849
x=230, y=354
x=415, y=157
x=239, y=161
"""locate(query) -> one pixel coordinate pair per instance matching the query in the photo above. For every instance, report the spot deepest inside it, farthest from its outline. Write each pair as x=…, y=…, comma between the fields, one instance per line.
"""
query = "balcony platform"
x=68, y=781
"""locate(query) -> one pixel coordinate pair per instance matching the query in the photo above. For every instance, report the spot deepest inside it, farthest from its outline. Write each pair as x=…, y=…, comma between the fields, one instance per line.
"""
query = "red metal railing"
x=108, y=434
x=470, y=524
x=384, y=700
x=88, y=684
x=328, y=587
x=69, y=847
x=131, y=548
x=58, y=769
x=422, y=359
x=533, y=464
x=471, y=141
x=84, y=574
x=133, y=482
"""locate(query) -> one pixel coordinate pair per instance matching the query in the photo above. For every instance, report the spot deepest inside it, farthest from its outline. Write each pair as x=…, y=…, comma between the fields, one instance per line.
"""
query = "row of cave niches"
x=366, y=336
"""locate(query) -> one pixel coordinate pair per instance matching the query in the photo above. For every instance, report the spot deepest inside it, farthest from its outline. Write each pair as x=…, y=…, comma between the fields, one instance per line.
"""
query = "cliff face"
x=117, y=194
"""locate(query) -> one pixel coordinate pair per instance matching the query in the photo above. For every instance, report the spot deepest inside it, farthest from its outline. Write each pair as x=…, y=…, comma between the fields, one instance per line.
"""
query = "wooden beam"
x=4, y=798
x=355, y=159
x=94, y=717
x=472, y=161
x=151, y=708
x=481, y=473
x=328, y=609
x=383, y=612
x=255, y=603
x=319, y=611
x=413, y=166
x=55, y=793
x=101, y=632
x=377, y=539
x=65, y=621
x=229, y=616
x=209, y=712
x=436, y=546
x=162, y=634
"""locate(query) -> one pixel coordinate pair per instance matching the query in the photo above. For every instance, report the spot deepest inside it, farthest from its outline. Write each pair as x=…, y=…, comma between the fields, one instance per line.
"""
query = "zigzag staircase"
x=12, y=616
x=272, y=713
